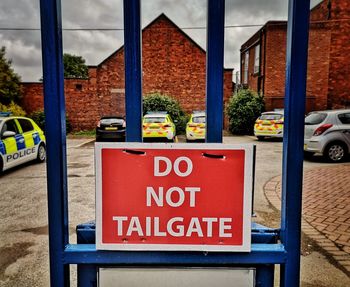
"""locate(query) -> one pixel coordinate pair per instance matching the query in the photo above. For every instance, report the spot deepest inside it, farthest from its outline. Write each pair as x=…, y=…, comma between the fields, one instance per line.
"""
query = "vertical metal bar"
x=292, y=172
x=133, y=70
x=215, y=70
x=265, y=275
x=55, y=130
x=253, y=179
x=87, y=275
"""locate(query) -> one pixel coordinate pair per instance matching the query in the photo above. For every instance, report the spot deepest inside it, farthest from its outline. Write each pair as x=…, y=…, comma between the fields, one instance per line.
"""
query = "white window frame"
x=246, y=67
x=257, y=59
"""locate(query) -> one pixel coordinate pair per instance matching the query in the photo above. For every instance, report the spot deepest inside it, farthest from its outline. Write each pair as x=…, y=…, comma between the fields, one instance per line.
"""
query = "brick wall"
x=81, y=101
x=172, y=64
x=339, y=68
x=275, y=61
x=33, y=99
x=328, y=75
x=340, y=10
x=317, y=69
x=320, y=12
x=184, y=79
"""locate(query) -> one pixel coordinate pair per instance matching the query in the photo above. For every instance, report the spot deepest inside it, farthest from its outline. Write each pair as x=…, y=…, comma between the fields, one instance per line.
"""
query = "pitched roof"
x=159, y=18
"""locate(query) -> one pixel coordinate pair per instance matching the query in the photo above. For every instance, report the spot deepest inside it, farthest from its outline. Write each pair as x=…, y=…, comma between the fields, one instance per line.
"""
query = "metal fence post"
x=215, y=70
x=265, y=275
x=133, y=70
x=292, y=172
x=55, y=130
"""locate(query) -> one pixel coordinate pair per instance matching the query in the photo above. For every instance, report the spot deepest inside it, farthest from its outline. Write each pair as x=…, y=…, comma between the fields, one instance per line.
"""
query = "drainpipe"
x=264, y=68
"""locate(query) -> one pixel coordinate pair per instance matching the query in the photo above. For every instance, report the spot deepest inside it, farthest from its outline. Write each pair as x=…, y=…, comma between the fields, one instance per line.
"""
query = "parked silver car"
x=328, y=132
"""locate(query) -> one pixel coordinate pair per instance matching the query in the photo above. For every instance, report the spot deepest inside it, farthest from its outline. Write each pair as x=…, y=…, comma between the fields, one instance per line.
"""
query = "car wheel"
x=1, y=165
x=260, y=138
x=41, y=157
x=335, y=152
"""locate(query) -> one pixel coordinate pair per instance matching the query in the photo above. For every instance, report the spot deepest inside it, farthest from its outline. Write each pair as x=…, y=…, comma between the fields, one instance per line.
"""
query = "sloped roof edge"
x=267, y=24
x=161, y=16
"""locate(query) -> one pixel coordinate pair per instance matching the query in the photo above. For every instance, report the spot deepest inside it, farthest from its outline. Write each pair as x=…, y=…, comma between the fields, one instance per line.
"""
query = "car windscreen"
x=111, y=121
x=271, y=117
x=152, y=120
x=315, y=118
x=199, y=120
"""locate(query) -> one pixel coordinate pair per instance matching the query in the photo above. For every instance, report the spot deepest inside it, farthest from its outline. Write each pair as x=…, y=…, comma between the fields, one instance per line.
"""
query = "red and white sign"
x=173, y=197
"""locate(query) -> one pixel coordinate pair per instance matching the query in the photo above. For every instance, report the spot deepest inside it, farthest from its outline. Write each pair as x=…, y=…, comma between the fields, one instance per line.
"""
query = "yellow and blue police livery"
x=21, y=140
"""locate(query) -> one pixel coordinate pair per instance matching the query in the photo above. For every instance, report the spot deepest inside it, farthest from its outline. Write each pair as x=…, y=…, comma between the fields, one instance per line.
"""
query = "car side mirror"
x=8, y=134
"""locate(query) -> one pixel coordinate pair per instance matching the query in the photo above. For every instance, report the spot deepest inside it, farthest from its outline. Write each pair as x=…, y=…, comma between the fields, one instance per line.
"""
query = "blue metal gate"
x=269, y=246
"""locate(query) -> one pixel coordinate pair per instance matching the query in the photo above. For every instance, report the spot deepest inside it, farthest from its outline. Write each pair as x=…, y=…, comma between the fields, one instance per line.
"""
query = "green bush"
x=242, y=110
x=39, y=118
x=159, y=102
x=15, y=109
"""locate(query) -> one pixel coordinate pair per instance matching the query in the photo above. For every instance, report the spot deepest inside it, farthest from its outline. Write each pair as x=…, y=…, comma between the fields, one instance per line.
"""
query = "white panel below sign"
x=175, y=277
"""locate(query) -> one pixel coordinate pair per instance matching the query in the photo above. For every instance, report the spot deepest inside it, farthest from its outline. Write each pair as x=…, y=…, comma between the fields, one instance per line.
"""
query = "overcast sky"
x=24, y=47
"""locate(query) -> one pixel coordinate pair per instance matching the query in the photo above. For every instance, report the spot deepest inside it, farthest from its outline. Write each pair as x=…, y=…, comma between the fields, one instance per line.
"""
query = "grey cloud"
x=94, y=46
x=92, y=14
x=25, y=47
x=19, y=13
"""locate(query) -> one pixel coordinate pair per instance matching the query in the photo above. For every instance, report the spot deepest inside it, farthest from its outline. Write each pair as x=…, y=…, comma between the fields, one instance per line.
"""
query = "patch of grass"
x=86, y=133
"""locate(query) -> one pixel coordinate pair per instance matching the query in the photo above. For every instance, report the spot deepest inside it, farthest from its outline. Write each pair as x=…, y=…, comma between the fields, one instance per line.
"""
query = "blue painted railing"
x=265, y=251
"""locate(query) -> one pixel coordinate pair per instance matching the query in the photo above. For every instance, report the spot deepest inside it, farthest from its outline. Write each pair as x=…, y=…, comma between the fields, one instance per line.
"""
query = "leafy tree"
x=10, y=89
x=243, y=109
x=39, y=118
x=157, y=102
x=15, y=109
x=74, y=67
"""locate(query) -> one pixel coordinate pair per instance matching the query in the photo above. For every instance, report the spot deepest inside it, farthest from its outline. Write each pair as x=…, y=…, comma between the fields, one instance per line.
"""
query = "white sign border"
x=247, y=199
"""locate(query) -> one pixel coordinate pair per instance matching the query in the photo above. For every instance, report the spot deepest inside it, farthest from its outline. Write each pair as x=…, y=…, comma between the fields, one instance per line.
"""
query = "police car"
x=158, y=126
x=21, y=140
x=269, y=124
x=195, y=128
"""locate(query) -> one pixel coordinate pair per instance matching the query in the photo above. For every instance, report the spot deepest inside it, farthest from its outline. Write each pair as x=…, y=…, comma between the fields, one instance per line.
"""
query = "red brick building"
x=263, y=59
x=172, y=63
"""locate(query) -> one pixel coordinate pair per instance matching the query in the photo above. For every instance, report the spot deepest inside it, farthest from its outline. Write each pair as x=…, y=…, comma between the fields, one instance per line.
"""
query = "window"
x=257, y=59
x=26, y=125
x=246, y=65
x=154, y=120
x=271, y=117
x=315, y=118
x=199, y=120
x=9, y=125
x=344, y=118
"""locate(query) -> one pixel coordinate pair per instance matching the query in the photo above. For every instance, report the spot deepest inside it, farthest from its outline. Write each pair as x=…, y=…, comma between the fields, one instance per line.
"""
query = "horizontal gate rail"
x=87, y=254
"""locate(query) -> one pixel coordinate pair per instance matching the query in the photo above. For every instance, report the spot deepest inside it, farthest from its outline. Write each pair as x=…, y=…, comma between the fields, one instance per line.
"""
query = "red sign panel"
x=173, y=197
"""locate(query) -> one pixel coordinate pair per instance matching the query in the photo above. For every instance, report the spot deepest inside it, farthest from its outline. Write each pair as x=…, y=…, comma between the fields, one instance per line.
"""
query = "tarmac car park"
x=158, y=126
x=21, y=140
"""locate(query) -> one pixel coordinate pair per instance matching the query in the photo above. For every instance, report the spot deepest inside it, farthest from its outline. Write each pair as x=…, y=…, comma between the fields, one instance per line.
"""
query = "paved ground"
x=326, y=209
x=23, y=213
